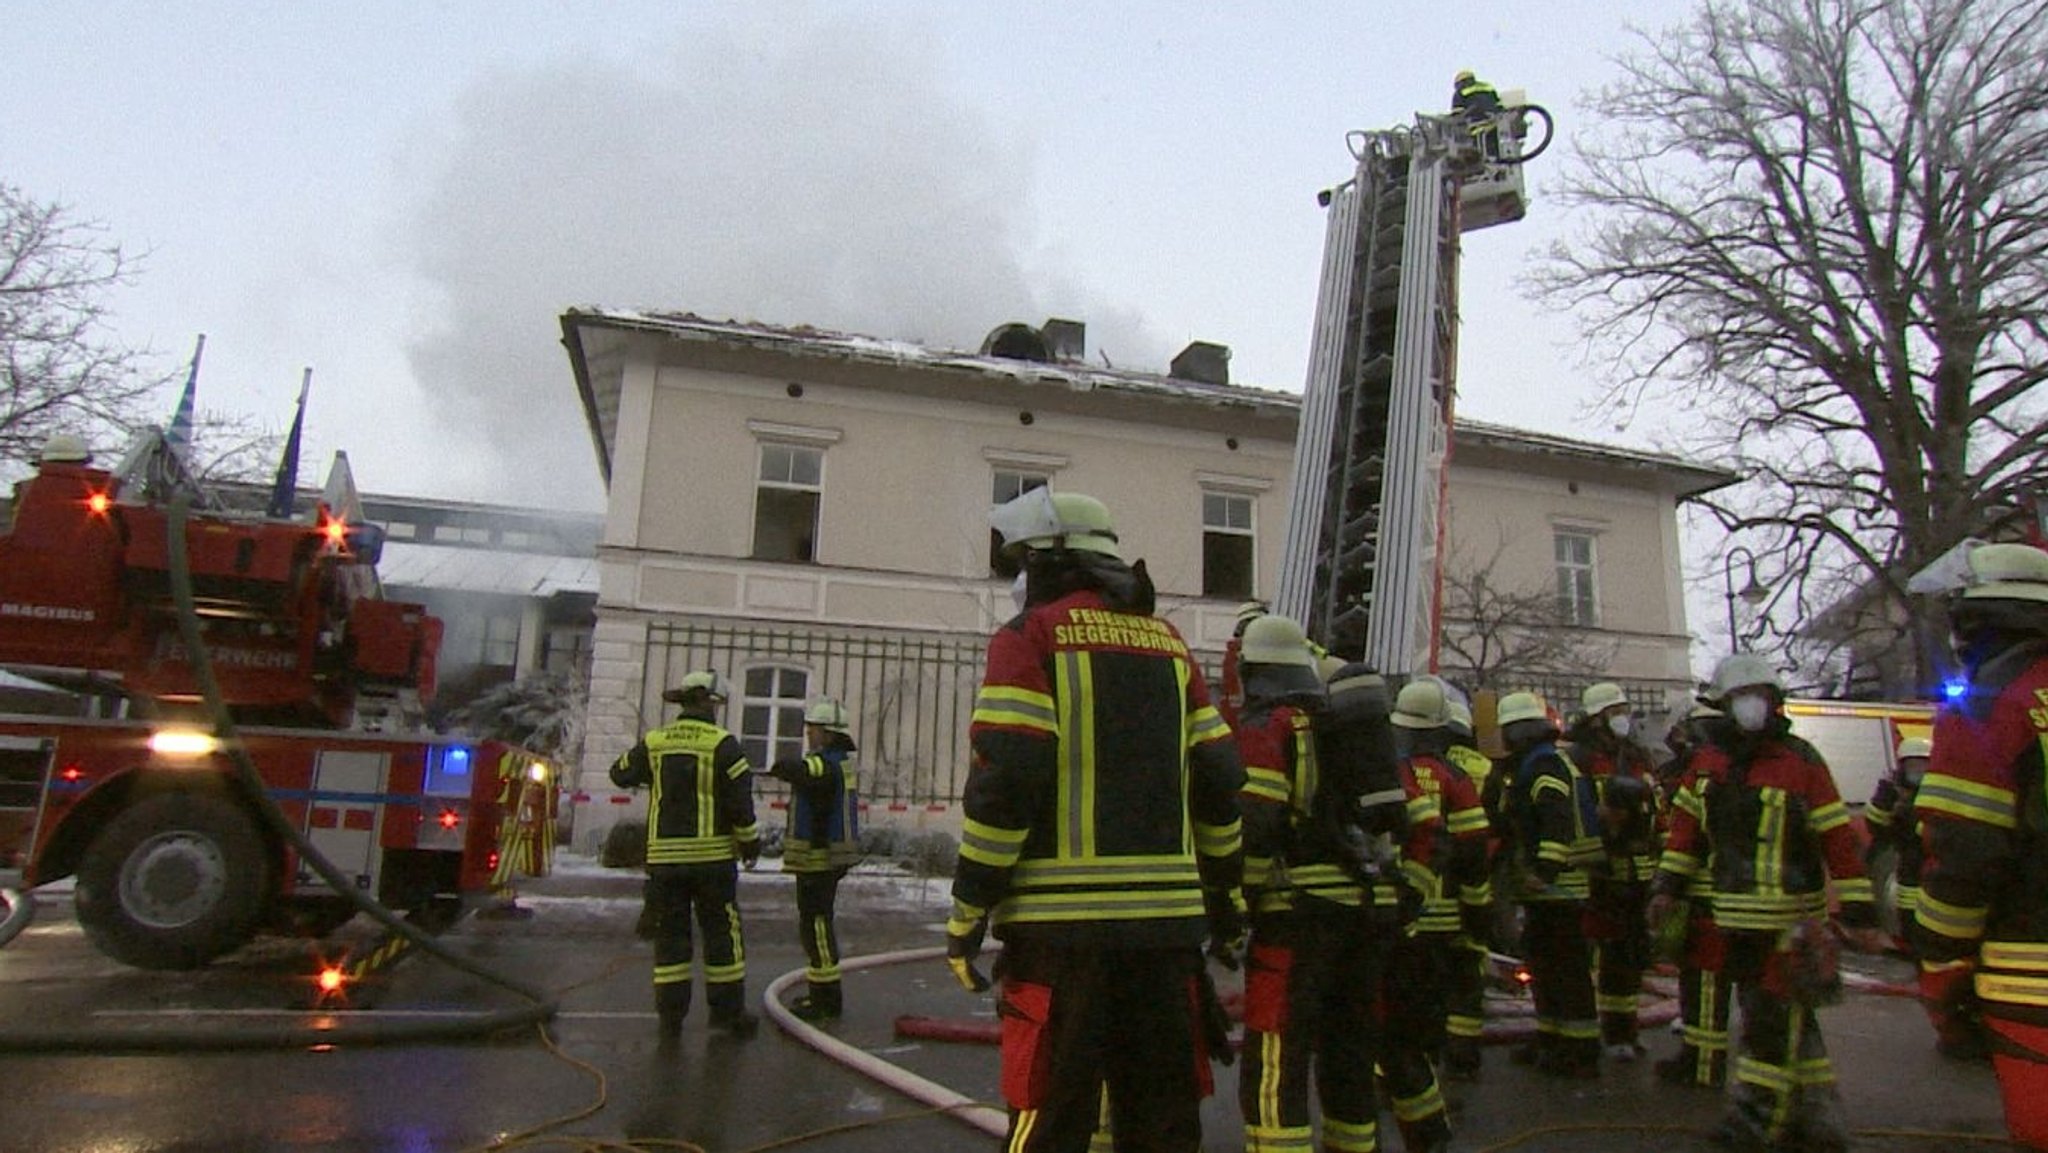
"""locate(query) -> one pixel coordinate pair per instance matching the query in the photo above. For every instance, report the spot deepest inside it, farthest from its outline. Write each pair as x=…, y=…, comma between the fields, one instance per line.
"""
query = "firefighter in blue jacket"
x=700, y=818
x=822, y=843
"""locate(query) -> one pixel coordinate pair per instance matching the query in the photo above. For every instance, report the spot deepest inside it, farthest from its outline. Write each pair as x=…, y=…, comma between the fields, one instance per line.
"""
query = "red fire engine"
x=324, y=679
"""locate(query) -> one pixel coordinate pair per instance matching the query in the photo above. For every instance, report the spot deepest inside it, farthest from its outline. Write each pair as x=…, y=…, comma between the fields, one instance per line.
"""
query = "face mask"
x=1017, y=592
x=1620, y=725
x=1751, y=713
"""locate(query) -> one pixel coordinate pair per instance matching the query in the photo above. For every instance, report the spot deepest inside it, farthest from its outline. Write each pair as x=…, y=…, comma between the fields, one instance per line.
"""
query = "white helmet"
x=1276, y=640
x=64, y=448
x=1421, y=705
x=1599, y=698
x=2007, y=572
x=829, y=715
x=1915, y=747
x=1743, y=671
x=1043, y=519
x=702, y=683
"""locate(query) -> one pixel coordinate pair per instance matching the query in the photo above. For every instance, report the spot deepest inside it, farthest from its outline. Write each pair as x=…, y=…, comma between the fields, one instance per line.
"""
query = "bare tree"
x=1818, y=232
x=59, y=370
x=1501, y=639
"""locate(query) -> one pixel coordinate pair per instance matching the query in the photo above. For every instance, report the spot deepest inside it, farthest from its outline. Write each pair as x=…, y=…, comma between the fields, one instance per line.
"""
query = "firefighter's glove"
x=1229, y=926
x=750, y=852
x=965, y=930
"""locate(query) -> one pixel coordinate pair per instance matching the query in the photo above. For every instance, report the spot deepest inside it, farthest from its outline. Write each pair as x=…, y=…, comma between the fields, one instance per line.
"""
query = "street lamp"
x=1752, y=594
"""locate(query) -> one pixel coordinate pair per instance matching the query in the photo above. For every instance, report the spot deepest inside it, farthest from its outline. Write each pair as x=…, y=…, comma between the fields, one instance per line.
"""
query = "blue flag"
x=179, y=437
x=287, y=484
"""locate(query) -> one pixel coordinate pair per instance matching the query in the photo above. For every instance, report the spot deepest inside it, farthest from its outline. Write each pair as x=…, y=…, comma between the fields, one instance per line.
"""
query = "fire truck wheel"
x=173, y=881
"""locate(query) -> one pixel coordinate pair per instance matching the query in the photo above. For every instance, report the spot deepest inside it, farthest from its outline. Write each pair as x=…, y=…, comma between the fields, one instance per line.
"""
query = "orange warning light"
x=331, y=980
x=337, y=532
x=99, y=503
x=450, y=818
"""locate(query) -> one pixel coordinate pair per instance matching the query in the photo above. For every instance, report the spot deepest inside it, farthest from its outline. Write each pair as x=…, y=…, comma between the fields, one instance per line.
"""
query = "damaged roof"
x=597, y=340
x=483, y=570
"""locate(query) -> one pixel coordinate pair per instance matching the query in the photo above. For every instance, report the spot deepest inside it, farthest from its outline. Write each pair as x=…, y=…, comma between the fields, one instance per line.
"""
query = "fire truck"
x=120, y=779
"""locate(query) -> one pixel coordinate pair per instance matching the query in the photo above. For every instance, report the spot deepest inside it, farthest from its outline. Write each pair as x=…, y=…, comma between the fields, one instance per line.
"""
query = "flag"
x=179, y=438
x=287, y=483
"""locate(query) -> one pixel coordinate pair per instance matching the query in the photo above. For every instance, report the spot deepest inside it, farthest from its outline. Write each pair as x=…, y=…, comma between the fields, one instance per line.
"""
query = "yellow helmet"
x=1276, y=640
x=704, y=683
x=1599, y=698
x=829, y=715
x=1042, y=519
x=1521, y=707
x=1421, y=704
x=1464, y=77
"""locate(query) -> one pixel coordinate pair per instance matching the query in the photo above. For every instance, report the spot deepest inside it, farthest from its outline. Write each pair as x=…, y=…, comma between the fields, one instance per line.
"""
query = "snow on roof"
x=480, y=570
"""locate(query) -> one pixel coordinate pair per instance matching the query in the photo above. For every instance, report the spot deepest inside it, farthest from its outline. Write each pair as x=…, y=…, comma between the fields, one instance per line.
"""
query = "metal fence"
x=910, y=695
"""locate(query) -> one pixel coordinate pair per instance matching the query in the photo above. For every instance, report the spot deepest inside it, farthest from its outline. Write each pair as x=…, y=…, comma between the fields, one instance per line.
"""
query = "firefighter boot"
x=672, y=1004
x=1432, y=1134
x=729, y=1014
x=822, y=1003
x=1818, y=1121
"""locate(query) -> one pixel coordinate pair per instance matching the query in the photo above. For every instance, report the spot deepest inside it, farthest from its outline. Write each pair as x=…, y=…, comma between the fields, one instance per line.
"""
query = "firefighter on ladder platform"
x=1447, y=972
x=1604, y=749
x=1480, y=103
x=821, y=845
x=1761, y=816
x=1101, y=840
x=700, y=817
x=1552, y=818
x=1983, y=910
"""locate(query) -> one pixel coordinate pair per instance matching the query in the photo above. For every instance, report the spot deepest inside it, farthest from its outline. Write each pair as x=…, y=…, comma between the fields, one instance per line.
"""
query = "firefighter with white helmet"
x=1443, y=983
x=1604, y=748
x=1552, y=824
x=700, y=820
x=1101, y=842
x=1761, y=818
x=821, y=844
x=64, y=448
x=1983, y=907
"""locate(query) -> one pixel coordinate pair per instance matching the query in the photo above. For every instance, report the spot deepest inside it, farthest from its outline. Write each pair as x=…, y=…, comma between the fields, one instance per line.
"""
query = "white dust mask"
x=1750, y=713
x=1620, y=725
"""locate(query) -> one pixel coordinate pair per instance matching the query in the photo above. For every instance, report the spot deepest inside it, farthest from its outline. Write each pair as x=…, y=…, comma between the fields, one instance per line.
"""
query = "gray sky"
x=405, y=196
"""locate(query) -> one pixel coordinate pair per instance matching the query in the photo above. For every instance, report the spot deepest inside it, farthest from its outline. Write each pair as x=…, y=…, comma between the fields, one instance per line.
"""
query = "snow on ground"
x=876, y=884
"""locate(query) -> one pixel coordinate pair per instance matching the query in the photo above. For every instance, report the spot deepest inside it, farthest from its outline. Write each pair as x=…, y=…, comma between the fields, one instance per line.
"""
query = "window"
x=772, y=714
x=567, y=650
x=1226, y=545
x=1577, y=597
x=786, y=502
x=501, y=641
x=1010, y=484
x=400, y=530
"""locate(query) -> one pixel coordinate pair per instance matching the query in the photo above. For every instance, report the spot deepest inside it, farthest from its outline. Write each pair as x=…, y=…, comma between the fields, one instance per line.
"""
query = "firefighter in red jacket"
x=1689, y=937
x=1326, y=812
x=1762, y=818
x=1102, y=842
x=1443, y=985
x=1604, y=748
x=1983, y=908
x=700, y=817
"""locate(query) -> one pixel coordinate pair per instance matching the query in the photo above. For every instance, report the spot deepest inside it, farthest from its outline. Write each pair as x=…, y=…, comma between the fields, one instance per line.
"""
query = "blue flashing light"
x=458, y=760
x=1954, y=690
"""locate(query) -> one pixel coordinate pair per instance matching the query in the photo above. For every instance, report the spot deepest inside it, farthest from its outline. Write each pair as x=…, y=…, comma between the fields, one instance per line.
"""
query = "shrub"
x=625, y=846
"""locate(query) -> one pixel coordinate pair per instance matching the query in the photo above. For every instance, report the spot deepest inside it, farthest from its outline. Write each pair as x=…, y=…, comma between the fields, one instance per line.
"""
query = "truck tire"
x=173, y=881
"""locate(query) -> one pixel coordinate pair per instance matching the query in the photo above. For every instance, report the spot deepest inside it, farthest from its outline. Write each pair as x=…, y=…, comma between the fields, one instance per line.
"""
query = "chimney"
x=1066, y=339
x=1202, y=362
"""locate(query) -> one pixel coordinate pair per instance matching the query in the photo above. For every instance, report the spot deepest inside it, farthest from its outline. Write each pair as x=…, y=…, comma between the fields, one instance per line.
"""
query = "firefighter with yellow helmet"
x=1983, y=912
x=1101, y=843
x=820, y=845
x=700, y=821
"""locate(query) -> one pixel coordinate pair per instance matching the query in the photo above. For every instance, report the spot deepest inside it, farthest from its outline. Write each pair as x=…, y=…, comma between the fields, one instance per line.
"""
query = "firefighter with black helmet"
x=1761, y=818
x=1982, y=919
x=700, y=821
x=1604, y=748
x=1552, y=820
x=821, y=844
x=1101, y=842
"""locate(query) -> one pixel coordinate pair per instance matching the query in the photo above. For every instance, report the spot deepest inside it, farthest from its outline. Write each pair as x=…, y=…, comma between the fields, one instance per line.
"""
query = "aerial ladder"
x=1361, y=567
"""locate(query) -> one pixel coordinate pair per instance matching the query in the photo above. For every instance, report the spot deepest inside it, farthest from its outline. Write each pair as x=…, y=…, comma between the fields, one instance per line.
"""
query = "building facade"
x=806, y=513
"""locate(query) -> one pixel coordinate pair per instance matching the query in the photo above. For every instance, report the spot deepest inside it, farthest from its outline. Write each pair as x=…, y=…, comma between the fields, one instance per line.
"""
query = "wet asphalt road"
x=607, y=1084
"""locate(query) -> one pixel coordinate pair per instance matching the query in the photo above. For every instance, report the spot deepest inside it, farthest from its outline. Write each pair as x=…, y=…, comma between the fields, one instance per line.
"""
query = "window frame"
x=815, y=490
x=1249, y=532
x=492, y=622
x=1577, y=584
x=999, y=566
